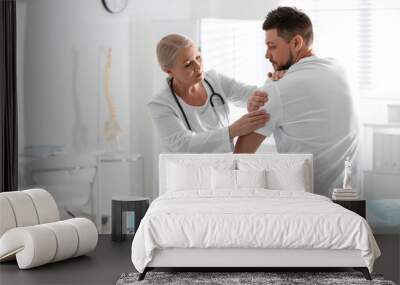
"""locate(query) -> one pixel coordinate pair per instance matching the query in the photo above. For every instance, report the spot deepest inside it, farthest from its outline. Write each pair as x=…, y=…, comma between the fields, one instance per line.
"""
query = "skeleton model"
x=112, y=128
x=347, y=174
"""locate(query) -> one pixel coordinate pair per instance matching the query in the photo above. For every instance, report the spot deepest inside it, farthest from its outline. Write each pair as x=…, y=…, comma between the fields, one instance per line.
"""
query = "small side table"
x=357, y=206
x=122, y=204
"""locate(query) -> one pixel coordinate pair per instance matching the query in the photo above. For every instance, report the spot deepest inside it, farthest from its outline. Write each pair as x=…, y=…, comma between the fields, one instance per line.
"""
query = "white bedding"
x=251, y=218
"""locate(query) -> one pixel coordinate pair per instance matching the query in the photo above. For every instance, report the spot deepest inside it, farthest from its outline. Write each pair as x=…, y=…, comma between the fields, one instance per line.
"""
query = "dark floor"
x=102, y=266
x=111, y=259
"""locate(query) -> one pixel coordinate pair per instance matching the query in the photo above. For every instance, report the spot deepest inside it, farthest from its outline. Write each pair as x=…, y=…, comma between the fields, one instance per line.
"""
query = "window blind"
x=362, y=35
x=235, y=48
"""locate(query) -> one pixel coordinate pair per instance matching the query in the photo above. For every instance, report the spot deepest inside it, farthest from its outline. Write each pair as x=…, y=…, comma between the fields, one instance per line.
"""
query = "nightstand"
x=357, y=206
x=122, y=205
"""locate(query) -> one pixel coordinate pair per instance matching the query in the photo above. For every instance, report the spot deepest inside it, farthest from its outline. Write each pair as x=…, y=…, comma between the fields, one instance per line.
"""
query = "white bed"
x=213, y=224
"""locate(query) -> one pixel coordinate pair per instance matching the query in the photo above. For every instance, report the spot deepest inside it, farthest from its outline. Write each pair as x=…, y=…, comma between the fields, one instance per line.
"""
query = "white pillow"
x=193, y=174
x=284, y=174
x=251, y=178
x=181, y=177
x=223, y=179
x=292, y=179
x=228, y=179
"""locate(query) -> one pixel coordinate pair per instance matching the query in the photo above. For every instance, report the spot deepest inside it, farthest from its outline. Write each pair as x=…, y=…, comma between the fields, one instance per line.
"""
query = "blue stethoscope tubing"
x=213, y=95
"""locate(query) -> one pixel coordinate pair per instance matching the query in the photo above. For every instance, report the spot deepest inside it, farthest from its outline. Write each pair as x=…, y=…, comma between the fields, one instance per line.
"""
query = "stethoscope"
x=214, y=96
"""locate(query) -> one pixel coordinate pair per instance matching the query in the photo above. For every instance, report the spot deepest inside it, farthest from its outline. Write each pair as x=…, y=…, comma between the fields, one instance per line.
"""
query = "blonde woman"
x=191, y=112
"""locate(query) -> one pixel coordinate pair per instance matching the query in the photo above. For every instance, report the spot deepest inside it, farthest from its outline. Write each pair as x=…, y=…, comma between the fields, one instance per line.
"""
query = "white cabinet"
x=381, y=161
x=120, y=175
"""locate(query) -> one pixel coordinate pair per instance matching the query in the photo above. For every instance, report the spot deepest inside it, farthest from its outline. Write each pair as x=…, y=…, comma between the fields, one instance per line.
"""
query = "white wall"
x=55, y=110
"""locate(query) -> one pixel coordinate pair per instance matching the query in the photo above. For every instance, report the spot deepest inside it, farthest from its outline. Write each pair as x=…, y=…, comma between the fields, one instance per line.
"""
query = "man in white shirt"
x=310, y=106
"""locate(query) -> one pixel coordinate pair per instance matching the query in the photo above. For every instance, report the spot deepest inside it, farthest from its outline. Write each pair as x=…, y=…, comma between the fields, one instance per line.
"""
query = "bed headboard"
x=208, y=158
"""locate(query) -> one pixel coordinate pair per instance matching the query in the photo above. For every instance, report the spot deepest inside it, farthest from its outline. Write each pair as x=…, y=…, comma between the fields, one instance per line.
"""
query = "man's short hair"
x=289, y=22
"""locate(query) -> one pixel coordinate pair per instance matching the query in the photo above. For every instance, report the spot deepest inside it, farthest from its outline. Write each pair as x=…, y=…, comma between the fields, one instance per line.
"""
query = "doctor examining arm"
x=311, y=106
x=191, y=113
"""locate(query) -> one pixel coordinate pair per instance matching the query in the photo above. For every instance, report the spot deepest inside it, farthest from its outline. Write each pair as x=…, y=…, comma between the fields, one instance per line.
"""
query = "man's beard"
x=288, y=64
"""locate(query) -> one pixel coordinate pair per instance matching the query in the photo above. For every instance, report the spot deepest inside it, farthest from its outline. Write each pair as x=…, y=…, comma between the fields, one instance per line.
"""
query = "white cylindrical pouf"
x=87, y=234
x=34, y=246
x=45, y=205
x=7, y=218
x=23, y=207
x=67, y=239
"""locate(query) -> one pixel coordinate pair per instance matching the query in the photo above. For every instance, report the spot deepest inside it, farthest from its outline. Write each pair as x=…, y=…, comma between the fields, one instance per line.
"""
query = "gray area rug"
x=225, y=278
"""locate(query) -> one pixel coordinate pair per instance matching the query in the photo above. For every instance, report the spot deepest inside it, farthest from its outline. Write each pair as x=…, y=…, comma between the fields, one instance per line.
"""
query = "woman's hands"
x=256, y=118
x=256, y=100
x=248, y=123
x=259, y=98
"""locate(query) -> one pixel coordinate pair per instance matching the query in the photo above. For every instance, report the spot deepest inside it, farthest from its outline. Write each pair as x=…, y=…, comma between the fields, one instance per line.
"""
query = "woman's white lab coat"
x=207, y=134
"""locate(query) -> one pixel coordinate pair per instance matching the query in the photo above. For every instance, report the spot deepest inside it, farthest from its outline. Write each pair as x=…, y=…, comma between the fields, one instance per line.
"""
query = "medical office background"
x=81, y=67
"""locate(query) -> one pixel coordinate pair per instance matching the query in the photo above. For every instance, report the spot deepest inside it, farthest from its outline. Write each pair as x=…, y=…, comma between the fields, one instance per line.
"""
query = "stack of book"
x=344, y=194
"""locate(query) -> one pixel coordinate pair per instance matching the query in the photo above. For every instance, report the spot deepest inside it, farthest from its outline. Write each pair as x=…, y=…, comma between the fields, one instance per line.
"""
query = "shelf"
x=382, y=172
x=120, y=157
x=382, y=125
